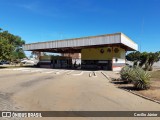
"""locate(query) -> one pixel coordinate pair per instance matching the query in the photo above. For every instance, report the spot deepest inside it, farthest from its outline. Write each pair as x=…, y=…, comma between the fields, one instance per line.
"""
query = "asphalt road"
x=32, y=89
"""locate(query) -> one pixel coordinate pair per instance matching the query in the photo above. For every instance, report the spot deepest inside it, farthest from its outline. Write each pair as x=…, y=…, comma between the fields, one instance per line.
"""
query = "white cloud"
x=34, y=7
x=41, y=9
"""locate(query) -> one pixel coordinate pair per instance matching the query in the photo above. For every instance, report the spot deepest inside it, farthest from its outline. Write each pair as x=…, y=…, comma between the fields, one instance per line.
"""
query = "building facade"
x=105, y=58
x=106, y=52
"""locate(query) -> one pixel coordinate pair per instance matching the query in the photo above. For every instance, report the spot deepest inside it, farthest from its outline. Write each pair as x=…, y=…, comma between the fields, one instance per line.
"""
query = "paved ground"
x=66, y=90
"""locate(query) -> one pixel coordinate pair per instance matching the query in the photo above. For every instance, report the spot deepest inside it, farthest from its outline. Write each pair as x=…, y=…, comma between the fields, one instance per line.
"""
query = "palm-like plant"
x=137, y=76
x=126, y=74
x=153, y=57
x=141, y=79
x=134, y=57
x=144, y=59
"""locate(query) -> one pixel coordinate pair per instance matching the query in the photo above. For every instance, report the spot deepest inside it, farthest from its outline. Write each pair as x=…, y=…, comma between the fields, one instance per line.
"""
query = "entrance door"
x=105, y=64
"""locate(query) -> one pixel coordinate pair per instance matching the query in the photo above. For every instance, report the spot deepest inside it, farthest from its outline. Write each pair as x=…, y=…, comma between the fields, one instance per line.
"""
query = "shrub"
x=126, y=74
x=141, y=80
x=137, y=76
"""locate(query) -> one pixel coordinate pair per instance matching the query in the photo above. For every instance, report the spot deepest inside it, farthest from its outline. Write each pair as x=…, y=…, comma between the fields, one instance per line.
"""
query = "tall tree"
x=144, y=59
x=152, y=58
x=134, y=57
x=36, y=54
x=9, y=44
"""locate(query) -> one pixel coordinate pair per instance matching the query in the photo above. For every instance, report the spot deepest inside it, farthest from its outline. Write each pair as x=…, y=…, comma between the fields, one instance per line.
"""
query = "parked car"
x=1, y=63
x=24, y=61
x=5, y=62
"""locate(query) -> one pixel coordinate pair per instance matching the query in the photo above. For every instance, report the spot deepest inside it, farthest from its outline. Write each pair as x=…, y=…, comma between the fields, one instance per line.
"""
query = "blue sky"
x=43, y=20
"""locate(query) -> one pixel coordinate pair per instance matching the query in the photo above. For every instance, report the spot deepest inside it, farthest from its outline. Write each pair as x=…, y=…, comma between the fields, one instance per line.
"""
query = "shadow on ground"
x=124, y=85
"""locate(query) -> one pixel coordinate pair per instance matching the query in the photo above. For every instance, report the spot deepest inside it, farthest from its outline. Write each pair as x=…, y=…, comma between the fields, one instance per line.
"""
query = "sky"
x=45, y=20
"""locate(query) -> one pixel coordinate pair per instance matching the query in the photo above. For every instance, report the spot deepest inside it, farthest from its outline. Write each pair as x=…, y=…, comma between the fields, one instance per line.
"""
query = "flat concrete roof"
x=76, y=44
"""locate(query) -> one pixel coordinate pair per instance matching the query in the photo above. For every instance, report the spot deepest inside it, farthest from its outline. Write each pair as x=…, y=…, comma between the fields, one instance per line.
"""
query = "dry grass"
x=153, y=92
x=155, y=74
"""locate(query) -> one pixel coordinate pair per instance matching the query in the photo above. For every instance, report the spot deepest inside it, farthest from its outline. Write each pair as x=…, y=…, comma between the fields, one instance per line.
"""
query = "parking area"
x=65, y=90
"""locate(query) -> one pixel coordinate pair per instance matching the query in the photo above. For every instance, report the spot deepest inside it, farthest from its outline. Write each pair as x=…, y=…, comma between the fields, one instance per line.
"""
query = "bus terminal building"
x=105, y=52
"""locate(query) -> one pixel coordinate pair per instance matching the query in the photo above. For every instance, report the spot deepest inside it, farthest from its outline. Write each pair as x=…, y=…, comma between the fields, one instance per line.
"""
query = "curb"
x=137, y=94
x=150, y=99
x=106, y=76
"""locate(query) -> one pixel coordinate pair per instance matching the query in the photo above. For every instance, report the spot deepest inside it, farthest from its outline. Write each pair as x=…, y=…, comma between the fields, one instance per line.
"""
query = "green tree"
x=9, y=44
x=144, y=59
x=5, y=48
x=152, y=58
x=134, y=57
x=36, y=54
x=18, y=53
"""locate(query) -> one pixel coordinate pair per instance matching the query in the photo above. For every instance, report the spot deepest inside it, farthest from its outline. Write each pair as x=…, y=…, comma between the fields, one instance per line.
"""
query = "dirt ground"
x=153, y=92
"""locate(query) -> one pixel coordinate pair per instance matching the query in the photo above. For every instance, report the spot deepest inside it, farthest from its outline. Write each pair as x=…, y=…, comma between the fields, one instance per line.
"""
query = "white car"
x=24, y=61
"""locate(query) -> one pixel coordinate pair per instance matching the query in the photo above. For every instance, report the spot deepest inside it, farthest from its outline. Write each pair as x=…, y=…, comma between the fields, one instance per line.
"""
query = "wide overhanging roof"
x=75, y=45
